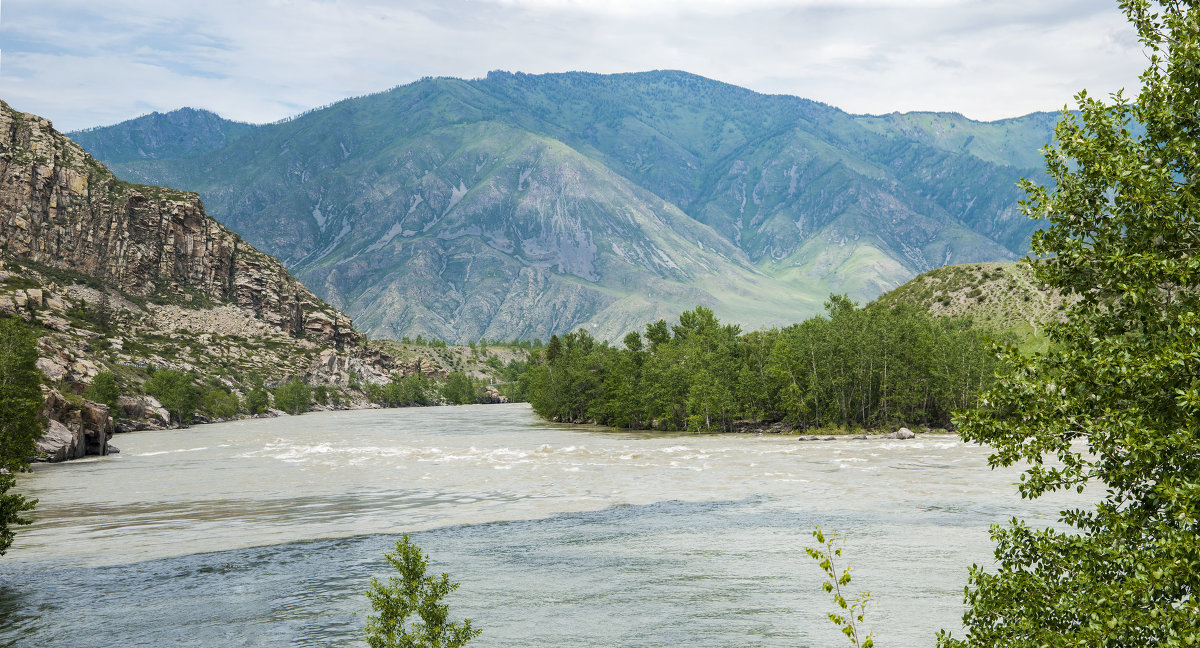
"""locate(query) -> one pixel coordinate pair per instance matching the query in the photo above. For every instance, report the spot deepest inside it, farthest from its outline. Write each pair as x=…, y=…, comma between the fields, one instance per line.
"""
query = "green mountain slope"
x=158, y=136
x=1002, y=296
x=1013, y=142
x=522, y=205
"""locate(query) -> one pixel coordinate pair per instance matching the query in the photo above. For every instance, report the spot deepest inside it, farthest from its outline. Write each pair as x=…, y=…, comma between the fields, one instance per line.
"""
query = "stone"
x=904, y=433
x=60, y=443
x=124, y=425
x=52, y=369
x=155, y=411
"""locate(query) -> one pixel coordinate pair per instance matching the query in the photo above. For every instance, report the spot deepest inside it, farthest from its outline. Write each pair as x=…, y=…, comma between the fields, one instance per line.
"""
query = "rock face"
x=61, y=208
x=74, y=430
x=331, y=368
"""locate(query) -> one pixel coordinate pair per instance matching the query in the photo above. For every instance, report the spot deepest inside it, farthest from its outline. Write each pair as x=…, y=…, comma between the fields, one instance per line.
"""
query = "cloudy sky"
x=94, y=62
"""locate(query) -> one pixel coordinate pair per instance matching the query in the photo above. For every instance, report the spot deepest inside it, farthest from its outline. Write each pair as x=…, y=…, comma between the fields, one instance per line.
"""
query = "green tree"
x=257, y=398
x=293, y=396
x=1116, y=400
x=104, y=390
x=20, y=425
x=219, y=403
x=459, y=389
x=412, y=592
x=177, y=392
x=320, y=394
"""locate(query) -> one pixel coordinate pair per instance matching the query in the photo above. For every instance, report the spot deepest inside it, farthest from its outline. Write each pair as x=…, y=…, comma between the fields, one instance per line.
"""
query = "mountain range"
x=517, y=206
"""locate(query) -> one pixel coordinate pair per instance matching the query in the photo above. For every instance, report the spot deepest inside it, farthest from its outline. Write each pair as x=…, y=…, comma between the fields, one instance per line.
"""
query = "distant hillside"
x=1013, y=142
x=1003, y=296
x=160, y=136
x=525, y=205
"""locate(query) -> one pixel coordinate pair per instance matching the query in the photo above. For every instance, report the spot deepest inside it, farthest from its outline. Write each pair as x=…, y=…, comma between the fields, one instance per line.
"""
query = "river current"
x=266, y=532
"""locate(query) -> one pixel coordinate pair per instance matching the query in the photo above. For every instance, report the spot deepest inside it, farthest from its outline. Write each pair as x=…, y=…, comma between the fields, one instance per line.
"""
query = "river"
x=266, y=532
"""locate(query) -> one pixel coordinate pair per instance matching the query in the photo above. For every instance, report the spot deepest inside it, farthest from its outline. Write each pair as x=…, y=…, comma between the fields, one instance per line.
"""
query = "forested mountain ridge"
x=524, y=205
x=179, y=133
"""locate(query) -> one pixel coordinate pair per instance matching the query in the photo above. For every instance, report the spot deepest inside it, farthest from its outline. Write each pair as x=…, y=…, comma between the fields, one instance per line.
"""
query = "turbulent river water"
x=266, y=532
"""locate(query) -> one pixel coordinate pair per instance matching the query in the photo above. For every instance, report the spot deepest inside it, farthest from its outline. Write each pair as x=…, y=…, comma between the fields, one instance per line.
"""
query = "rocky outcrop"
x=61, y=208
x=75, y=430
x=332, y=368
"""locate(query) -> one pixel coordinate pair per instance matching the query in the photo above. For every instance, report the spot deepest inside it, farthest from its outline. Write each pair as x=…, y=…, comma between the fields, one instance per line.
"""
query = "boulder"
x=904, y=433
x=52, y=369
x=155, y=411
x=124, y=425
x=130, y=408
x=60, y=443
x=97, y=426
x=74, y=430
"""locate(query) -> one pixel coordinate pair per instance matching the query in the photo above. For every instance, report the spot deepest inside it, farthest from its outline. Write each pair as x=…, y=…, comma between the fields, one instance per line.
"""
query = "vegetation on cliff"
x=1003, y=296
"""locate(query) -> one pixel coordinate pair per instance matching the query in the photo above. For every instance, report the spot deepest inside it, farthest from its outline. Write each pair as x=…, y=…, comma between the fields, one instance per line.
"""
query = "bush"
x=104, y=390
x=176, y=391
x=257, y=399
x=219, y=403
x=413, y=592
x=293, y=396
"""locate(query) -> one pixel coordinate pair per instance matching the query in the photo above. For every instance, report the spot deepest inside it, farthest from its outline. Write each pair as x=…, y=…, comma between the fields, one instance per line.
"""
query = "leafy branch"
x=851, y=610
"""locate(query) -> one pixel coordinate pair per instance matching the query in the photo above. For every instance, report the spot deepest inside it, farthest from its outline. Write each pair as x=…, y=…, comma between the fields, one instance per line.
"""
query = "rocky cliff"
x=61, y=208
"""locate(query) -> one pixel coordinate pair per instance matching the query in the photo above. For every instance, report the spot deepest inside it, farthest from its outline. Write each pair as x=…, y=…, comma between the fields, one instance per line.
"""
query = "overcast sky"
x=95, y=62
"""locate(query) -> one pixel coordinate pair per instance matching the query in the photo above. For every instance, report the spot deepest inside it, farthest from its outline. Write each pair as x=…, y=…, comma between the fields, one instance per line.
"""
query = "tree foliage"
x=403, y=391
x=293, y=396
x=1116, y=401
x=257, y=398
x=219, y=403
x=104, y=390
x=851, y=611
x=855, y=367
x=461, y=389
x=409, y=593
x=20, y=426
x=177, y=391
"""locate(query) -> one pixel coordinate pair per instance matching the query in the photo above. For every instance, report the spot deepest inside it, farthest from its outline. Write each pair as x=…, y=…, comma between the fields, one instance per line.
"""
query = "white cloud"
x=721, y=7
x=89, y=63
